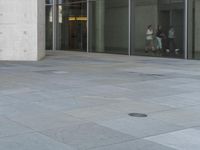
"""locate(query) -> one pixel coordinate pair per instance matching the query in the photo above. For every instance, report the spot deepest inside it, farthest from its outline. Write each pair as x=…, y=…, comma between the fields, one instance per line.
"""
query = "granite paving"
x=81, y=101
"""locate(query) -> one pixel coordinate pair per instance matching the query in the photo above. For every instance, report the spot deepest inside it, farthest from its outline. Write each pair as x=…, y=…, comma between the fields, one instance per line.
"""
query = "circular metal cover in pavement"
x=138, y=115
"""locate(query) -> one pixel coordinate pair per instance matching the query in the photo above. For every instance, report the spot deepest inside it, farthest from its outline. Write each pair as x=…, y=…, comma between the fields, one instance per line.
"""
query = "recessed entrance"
x=72, y=26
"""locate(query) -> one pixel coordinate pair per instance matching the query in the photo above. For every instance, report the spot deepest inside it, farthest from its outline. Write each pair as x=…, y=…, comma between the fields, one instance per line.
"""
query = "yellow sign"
x=79, y=18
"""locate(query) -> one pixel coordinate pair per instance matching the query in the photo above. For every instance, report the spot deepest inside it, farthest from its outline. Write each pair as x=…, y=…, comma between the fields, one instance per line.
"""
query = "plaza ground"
x=80, y=101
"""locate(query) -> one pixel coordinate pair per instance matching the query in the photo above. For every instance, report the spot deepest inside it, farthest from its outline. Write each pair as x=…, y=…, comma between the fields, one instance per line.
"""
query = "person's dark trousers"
x=171, y=45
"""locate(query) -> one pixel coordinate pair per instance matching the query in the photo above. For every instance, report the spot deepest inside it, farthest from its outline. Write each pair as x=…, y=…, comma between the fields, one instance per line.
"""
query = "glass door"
x=49, y=25
x=71, y=27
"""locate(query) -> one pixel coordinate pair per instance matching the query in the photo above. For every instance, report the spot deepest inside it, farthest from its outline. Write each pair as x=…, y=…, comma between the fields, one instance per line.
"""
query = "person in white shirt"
x=149, y=39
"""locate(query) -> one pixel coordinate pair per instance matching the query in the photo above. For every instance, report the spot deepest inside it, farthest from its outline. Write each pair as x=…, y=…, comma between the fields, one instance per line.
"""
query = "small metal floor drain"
x=139, y=115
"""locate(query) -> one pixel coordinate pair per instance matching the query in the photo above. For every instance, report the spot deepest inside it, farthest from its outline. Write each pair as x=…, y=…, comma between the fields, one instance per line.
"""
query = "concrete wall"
x=22, y=29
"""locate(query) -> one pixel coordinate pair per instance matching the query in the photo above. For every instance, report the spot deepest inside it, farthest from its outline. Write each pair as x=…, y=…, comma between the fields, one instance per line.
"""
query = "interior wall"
x=116, y=25
x=146, y=13
x=197, y=28
x=178, y=23
x=190, y=28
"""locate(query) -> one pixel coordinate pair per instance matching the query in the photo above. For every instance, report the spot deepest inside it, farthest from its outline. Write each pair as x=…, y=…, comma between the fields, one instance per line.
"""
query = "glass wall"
x=108, y=27
x=136, y=27
x=159, y=28
x=71, y=25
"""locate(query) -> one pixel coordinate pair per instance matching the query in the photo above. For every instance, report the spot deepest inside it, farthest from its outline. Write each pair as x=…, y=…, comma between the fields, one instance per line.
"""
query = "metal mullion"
x=88, y=24
x=129, y=27
x=186, y=30
x=54, y=24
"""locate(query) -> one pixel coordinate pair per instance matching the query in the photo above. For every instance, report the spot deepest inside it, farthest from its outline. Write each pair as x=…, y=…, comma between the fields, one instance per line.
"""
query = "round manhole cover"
x=138, y=115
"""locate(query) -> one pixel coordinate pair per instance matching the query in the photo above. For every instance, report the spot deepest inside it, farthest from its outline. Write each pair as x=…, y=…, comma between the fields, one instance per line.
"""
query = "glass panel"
x=70, y=1
x=109, y=26
x=194, y=30
x=61, y=1
x=49, y=1
x=49, y=27
x=159, y=28
x=72, y=26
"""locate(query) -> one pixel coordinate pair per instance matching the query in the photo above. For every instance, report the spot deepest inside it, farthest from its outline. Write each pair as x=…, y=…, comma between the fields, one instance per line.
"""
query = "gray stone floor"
x=80, y=101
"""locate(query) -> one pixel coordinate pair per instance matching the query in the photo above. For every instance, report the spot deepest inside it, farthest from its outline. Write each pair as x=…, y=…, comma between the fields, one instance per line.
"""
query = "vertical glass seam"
x=186, y=30
x=54, y=25
x=88, y=20
x=129, y=28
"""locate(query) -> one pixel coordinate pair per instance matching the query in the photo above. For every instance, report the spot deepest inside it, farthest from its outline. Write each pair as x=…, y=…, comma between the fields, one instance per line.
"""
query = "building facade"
x=161, y=28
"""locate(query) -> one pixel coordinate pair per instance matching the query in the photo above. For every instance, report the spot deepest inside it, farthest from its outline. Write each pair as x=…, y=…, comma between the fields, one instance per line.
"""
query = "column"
x=100, y=19
x=22, y=29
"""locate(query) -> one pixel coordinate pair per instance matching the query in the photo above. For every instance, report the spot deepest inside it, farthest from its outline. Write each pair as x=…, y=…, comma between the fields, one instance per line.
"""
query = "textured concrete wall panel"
x=19, y=30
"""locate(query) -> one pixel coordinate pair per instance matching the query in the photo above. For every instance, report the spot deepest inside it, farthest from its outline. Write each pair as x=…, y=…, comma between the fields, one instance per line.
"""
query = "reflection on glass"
x=109, y=26
x=70, y=1
x=194, y=30
x=49, y=1
x=49, y=28
x=159, y=28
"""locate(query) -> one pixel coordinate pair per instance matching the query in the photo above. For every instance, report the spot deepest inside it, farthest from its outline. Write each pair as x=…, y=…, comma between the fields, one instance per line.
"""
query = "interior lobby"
x=119, y=27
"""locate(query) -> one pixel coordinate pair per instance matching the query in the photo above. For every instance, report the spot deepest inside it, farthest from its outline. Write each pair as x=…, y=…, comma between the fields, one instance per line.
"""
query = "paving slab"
x=22, y=109
x=135, y=145
x=11, y=128
x=140, y=127
x=87, y=136
x=32, y=141
x=176, y=101
x=188, y=139
x=186, y=116
x=44, y=121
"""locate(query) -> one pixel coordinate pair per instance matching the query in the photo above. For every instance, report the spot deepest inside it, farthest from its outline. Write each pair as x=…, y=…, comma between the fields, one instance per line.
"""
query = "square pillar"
x=22, y=30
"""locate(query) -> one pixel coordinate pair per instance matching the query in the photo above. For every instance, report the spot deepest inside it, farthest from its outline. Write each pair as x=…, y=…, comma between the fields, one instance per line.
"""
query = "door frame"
x=55, y=17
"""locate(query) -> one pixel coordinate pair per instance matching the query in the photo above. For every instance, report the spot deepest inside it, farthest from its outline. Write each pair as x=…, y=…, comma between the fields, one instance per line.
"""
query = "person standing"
x=171, y=41
x=149, y=39
x=159, y=37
